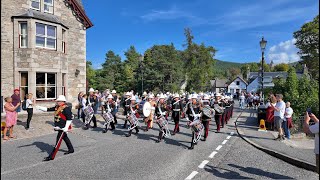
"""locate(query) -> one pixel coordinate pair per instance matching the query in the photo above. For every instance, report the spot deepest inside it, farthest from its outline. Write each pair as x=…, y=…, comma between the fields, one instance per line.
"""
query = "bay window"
x=23, y=35
x=46, y=36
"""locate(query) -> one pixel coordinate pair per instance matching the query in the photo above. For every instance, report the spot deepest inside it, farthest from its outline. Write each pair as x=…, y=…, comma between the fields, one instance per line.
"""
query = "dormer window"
x=35, y=4
x=48, y=6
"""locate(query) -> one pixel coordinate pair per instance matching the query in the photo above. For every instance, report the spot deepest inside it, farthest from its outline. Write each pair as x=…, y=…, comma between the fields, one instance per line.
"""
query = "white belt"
x=176, y=109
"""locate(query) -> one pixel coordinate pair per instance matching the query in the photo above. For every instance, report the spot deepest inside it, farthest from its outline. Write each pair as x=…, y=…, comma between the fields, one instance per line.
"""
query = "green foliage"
x=90, y=74
x=198, y=62
x=281, y=67
x=234, y=72
x=308, y=43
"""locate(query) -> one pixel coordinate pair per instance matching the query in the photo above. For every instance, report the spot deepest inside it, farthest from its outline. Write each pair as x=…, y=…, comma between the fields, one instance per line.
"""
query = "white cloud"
x=284, y=52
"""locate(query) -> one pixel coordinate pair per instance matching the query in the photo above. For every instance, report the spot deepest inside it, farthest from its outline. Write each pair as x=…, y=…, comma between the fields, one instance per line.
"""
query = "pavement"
x=298, y=150
x=113, y=156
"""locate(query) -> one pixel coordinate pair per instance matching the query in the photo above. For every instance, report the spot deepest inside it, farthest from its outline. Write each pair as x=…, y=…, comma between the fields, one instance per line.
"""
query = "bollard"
x=262, y=126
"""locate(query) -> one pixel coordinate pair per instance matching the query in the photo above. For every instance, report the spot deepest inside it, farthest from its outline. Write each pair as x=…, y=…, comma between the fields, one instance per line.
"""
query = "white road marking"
x=228, y=137
x=219, y=147
x=192, y=175
x=224, y=142
x=231, y=133
x=203, y=164
x=212, y=154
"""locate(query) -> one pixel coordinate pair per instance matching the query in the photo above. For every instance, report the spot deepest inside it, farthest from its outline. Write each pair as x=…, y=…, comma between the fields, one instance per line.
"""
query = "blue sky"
x=233, y=27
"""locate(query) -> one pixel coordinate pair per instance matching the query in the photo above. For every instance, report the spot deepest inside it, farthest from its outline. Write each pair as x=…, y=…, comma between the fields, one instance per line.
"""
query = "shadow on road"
x=260, y=172
x=44, y=147
x=227, y=175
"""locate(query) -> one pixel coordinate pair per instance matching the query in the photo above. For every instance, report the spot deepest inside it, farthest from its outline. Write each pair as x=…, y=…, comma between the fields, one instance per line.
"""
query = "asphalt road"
x=114, y=156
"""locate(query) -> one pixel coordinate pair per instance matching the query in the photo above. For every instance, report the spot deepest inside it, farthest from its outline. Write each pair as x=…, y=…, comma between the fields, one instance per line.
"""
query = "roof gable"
x=240, y=79
x=77, y=8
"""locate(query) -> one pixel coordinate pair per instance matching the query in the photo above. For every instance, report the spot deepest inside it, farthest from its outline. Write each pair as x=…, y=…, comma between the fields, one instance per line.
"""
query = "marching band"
x=198, y=109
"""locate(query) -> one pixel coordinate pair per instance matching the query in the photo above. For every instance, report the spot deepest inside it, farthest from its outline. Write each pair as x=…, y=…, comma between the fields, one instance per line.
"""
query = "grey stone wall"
x=32, y=59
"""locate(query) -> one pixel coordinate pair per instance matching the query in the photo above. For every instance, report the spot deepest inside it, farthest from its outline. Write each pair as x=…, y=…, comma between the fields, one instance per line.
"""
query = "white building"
x=238, y=85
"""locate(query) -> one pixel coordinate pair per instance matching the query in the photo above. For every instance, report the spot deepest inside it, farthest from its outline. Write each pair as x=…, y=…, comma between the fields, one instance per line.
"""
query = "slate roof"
x=219, y=83
x=41, y=16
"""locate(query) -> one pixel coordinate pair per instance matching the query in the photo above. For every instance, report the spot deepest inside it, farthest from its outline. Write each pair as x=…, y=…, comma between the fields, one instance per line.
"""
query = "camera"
x=309, y=111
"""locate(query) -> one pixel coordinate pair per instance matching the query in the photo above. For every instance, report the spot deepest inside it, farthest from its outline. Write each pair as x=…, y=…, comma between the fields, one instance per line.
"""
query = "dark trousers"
x=79, y=113
x=206, y=128
x=66, y=140
x=83, y=117
x=94, y=121
x=136, y=128
x=176, y=120
x=218, y=118
x=192, y=144
x=30, y=113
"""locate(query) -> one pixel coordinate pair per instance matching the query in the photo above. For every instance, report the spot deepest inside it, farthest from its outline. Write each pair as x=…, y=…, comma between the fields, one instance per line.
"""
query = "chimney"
x=248, y=72
x=305, y=69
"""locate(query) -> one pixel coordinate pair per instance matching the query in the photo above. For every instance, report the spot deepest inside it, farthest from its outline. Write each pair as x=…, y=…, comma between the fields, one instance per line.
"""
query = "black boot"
x=47, y=158
x=128, y=135
x=69, y=152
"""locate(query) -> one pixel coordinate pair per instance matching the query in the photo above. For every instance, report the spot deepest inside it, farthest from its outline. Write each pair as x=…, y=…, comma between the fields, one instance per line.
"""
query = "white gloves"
x=41, y=108
x=66, y=127
x=109, y=110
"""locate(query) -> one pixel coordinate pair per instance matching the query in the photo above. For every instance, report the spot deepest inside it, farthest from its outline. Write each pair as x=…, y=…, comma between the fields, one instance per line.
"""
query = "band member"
x=126, y=105
x=161, y=113
x=92, y=101
x=110, y=107
x=115, y=99
x=62, y=123
x=218, y=107
x=205, y=119
x=149, y=119
x=133, y=107
x=176, y=113
x=193, y=109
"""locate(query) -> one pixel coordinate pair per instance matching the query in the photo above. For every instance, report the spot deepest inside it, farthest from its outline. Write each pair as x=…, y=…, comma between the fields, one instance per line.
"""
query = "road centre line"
x=219, y=147
x=225, y=141
x=212, y=154
x=228, y=137
x=192, y=175
x=203, y=164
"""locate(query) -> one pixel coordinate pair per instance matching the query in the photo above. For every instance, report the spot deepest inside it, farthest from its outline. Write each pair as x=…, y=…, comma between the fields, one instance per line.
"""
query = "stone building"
x=43, y=48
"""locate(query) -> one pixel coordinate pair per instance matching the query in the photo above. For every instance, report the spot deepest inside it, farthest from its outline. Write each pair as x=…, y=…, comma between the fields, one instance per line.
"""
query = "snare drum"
x=197, y=126
x=108, y=117
x=162, y=122
x=88, y=110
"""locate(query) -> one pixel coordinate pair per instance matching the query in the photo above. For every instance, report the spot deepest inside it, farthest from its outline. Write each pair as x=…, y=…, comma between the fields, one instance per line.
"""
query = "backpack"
x=24, y=105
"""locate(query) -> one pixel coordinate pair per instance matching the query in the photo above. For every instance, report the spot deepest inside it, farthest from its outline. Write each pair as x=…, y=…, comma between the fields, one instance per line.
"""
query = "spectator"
x=272, y=101
x=29, y=104
x=287, y=124
x=84, y=102
x=11, y=117
x=15, y=100
x=242, y=99
x=279, y=110
x=80, y=104
x=313, y=129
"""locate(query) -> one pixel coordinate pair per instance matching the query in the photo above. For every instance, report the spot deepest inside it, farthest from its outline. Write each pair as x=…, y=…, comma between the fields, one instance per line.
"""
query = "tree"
x=198, y=60
x=291, y=86
x=308, y=43
x=111, y=71
x=131, y=69
x=90, y=73
x=281, y=67
x=234, y=72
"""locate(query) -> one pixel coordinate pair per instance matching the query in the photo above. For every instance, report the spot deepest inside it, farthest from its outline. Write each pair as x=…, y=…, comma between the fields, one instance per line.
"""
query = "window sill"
x=44, y=48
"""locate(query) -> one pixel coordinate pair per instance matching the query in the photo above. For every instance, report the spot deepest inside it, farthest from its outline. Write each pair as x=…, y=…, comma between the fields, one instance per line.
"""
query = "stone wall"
x=32, y=59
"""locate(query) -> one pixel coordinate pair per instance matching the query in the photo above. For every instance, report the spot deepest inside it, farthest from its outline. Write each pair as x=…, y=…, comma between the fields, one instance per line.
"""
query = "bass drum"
x=146, y=109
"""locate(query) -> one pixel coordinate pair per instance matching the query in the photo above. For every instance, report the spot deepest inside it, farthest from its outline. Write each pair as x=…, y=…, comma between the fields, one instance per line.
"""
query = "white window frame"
x=23, y=35
x=46, y=36
x=35, y=1
x=46, y=86
x=64, y=41
x=63, y=84
x=48, y=4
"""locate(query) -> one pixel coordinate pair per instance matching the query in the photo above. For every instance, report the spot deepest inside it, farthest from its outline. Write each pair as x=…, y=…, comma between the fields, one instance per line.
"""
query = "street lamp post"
x=141, y=67
x=263, y=44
